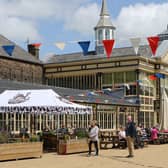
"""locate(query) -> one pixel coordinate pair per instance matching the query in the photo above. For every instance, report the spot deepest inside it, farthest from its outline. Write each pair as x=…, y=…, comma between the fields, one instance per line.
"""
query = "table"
x=108, y=137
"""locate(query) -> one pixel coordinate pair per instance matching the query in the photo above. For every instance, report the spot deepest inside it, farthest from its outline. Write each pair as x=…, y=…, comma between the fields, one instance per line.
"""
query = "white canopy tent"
x=40, y=109
x=38, y=101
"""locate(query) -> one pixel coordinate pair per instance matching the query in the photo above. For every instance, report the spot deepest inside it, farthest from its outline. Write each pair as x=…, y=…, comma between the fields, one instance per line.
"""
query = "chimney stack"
x=34, y=49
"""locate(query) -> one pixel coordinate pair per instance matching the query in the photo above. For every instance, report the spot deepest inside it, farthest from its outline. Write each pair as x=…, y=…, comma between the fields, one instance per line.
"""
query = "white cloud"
x=18, y=29
x=141, y=20
x=19, y=19
x=84, y=19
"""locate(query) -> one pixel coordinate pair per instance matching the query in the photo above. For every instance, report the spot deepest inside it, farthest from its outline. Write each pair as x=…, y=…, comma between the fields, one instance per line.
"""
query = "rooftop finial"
x=104, y=10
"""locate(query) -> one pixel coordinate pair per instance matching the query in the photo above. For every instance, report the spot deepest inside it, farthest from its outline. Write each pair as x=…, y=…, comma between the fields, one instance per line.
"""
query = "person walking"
x=130, y=135
x=154, y=134
x=93, y=135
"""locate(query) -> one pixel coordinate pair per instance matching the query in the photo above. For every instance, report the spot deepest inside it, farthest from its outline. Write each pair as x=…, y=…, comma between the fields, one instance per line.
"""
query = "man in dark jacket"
x=130, y=135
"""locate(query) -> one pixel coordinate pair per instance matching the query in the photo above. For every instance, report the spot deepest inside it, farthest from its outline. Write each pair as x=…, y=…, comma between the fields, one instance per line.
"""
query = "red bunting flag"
x=36, y=44
x=152, y=77
x=153, y=42
x=108, y=45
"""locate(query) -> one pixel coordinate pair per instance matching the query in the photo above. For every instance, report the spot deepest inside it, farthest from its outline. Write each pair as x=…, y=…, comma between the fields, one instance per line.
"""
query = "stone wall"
x=20, y=71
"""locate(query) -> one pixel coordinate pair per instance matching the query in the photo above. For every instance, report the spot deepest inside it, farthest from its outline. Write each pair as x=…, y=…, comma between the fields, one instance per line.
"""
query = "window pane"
x=130, y=76
x=141, y=117
x=107, y=34
x=118, y=77
x=107, y=78
x=131, y=90
x=100, y=35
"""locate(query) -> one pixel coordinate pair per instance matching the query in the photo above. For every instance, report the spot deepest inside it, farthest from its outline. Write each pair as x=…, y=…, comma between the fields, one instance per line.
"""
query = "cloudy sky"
x=50, y=21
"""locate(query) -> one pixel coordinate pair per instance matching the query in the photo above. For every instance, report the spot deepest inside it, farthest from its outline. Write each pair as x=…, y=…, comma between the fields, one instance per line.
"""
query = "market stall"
x=37, y=110
x=25, y=115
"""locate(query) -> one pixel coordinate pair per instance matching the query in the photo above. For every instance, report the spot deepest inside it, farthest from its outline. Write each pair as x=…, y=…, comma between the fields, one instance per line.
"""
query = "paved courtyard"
x=153, y=156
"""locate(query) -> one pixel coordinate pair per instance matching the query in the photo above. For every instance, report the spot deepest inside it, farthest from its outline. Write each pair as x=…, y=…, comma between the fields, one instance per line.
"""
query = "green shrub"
x=81, y=133
x=34, y=138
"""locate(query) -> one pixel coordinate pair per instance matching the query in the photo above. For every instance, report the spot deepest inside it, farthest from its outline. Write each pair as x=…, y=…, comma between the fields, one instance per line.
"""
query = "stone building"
x=21, y=66
x=124, y=68
x=125, y=71
x=109, y=111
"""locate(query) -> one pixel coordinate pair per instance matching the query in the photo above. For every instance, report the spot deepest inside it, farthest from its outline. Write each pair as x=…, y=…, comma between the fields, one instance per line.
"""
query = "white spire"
x=104, y=10
x=105, y=20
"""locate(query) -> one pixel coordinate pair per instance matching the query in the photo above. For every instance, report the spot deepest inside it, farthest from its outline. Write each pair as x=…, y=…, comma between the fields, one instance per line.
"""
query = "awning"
x=44, y=100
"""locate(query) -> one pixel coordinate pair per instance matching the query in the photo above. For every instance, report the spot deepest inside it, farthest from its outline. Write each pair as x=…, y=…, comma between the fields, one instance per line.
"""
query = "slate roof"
x=165, y=32
x=71, y=94
x=18, y=53
x=117, y=52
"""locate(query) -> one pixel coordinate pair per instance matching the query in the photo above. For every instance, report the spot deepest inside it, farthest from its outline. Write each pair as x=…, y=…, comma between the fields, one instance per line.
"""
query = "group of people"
x=129, y=134
x=132, y=134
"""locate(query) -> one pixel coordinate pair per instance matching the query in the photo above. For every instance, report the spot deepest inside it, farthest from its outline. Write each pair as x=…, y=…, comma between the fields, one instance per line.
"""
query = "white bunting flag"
x=60, y=45
x=135, y=43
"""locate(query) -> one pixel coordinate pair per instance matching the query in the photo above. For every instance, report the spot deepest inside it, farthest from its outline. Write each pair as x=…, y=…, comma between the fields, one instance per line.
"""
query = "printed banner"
x=135, y=43
x=9, y=49
x=153, y=43
x=108, y=45
x=85, y=46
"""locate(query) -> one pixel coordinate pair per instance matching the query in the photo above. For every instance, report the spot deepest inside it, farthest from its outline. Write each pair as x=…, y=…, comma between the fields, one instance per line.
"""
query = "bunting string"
x=153, y=42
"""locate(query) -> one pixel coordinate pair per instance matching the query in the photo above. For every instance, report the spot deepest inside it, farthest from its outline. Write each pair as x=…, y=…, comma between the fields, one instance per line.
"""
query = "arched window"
x=100, y=35
x=107, y=34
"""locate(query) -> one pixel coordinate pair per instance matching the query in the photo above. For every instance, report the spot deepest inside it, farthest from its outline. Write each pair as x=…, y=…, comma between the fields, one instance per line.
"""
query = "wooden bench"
x=108, y=137
x=103, y=144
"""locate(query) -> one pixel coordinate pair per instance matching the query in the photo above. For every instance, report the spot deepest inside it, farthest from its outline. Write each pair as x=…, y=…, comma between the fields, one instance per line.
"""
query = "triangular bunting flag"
x=36, y=44
x=159, y=75
x=135, y=43
x=153, y=43
x=85, y=46
x=60, y=45
x=9, y=49
x=152, y=77
x=108, y=45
